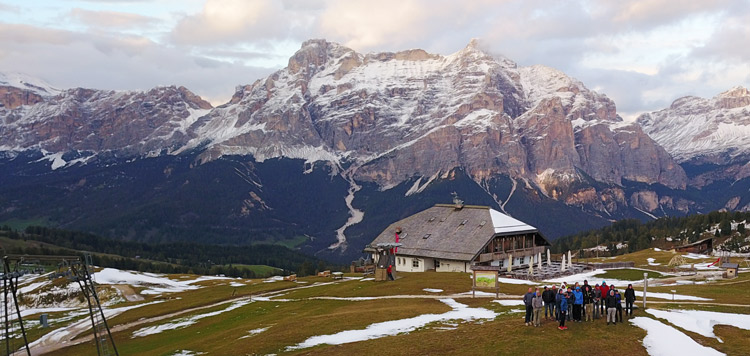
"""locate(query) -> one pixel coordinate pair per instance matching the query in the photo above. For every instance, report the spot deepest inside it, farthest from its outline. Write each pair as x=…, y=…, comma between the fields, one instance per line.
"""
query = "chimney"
x=457, y=203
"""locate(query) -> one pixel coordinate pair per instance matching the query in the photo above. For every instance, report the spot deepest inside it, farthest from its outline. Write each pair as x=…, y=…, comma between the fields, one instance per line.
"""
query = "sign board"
x=485, y=279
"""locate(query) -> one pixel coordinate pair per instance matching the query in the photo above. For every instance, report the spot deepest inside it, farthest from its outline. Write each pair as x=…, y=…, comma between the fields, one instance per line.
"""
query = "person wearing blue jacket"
x=563, y=309
x=577, y=304
x=618, y=296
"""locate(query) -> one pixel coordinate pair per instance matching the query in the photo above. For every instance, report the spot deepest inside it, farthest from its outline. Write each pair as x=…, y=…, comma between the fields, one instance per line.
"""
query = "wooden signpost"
x=485, y=279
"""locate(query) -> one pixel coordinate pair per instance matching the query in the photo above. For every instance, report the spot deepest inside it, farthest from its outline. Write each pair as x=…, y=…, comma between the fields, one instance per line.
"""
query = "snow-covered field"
x=154, y=283
x=664, y=340
x=702, y=322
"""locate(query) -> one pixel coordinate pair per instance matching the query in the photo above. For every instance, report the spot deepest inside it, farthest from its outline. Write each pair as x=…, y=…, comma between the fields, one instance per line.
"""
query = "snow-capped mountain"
x=712, y=130
x=333, y=147
x=395, y=116
x=129, y=122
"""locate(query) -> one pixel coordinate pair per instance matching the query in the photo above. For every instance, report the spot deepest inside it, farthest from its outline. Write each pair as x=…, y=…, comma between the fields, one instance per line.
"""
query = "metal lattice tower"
x=10, y=289
x=105, y=344
x=75, y=270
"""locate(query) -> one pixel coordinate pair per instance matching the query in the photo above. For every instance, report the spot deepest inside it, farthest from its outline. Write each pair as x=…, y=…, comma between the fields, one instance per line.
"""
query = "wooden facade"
x=702, y=246
x=521, y=245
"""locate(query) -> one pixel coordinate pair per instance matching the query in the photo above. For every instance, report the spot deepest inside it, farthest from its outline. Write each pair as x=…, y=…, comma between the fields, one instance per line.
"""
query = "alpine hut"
x=454, y=237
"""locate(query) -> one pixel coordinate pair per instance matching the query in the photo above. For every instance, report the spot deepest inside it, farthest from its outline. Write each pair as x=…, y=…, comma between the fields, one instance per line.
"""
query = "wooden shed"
x=700, y=246
x=730, y=269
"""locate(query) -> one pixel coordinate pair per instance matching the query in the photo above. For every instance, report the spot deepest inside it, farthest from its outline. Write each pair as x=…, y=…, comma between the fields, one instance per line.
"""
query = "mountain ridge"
x=403, y=126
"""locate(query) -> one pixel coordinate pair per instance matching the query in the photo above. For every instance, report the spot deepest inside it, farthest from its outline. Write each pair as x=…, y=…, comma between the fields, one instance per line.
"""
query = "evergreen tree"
x=726, y=227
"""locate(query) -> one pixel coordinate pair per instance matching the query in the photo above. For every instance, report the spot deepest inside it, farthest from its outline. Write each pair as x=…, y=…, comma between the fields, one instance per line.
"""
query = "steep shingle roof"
x=445, y=232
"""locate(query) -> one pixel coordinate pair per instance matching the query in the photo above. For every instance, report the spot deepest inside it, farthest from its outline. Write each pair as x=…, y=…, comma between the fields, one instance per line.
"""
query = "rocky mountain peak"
x=715, y=130
x=736, y=97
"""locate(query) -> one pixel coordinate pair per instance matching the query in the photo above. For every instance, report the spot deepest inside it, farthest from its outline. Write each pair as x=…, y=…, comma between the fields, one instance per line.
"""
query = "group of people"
x=577, y=302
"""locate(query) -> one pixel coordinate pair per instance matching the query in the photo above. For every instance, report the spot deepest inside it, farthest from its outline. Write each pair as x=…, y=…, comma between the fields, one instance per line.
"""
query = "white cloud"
x=643, y=54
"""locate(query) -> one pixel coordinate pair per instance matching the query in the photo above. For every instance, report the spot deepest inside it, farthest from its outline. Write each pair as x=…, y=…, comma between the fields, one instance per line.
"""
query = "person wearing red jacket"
x=605, y=293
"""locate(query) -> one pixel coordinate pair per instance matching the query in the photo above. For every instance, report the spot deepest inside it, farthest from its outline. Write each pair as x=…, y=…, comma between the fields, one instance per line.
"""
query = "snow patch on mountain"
x=23, y=81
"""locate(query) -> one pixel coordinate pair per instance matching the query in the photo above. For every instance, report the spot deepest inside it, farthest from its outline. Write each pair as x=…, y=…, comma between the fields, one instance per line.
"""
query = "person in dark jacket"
x=619, y=304
x=563, y=310
x=588, y=304
x=629, y=299
x=585, y=289
x=558, y=303
x=597, y=301
x=548, y=296
x=529, y=308
x=577, y=304
x=611, y=304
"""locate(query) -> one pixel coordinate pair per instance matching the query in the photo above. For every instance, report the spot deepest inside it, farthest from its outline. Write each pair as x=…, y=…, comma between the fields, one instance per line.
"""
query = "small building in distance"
x=453, y=237
x=731, y=269
x=704, y=246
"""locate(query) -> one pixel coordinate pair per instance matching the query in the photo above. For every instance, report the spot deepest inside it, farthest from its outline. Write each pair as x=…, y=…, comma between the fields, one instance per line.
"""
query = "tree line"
x=177, y=257
x=657, y=233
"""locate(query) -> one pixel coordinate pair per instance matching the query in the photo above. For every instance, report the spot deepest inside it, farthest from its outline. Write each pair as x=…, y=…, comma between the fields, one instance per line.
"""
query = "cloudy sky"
x=643, y=54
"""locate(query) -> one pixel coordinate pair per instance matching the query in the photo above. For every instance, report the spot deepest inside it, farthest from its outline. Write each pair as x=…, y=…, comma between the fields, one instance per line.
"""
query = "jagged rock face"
x=98, y=120
x=693, y=129
x=406, y=114
x=11, y=98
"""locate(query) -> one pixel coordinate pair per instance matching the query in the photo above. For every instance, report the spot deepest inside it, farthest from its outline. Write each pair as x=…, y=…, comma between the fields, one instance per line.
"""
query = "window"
x=464, y=222
x=437, y=264
x=415, y=263
x=432, y=219
x=502, y=263
x=426, y=236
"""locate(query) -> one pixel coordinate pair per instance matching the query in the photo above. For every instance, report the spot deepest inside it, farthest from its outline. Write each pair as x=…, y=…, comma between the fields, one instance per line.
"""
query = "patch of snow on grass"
x=515, y=281
x=479, y=293
x=657, y=249
x=664, y=340
x=395, y=327
x=185, y=322
x=254, y=332
x=651, y=262
x=508, y=302
x=695, y=256
x=592, y=277
x=669, y=296
x=702, y=322
x=432, y=290
x=186, y=353
x=156, y=283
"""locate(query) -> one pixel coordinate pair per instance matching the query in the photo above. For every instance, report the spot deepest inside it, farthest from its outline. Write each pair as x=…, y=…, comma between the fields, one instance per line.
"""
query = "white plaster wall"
x=406, y=264
x=452, y=266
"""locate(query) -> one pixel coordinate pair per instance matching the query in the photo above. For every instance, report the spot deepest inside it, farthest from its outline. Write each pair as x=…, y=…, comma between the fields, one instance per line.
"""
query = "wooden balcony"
x=496, y=256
